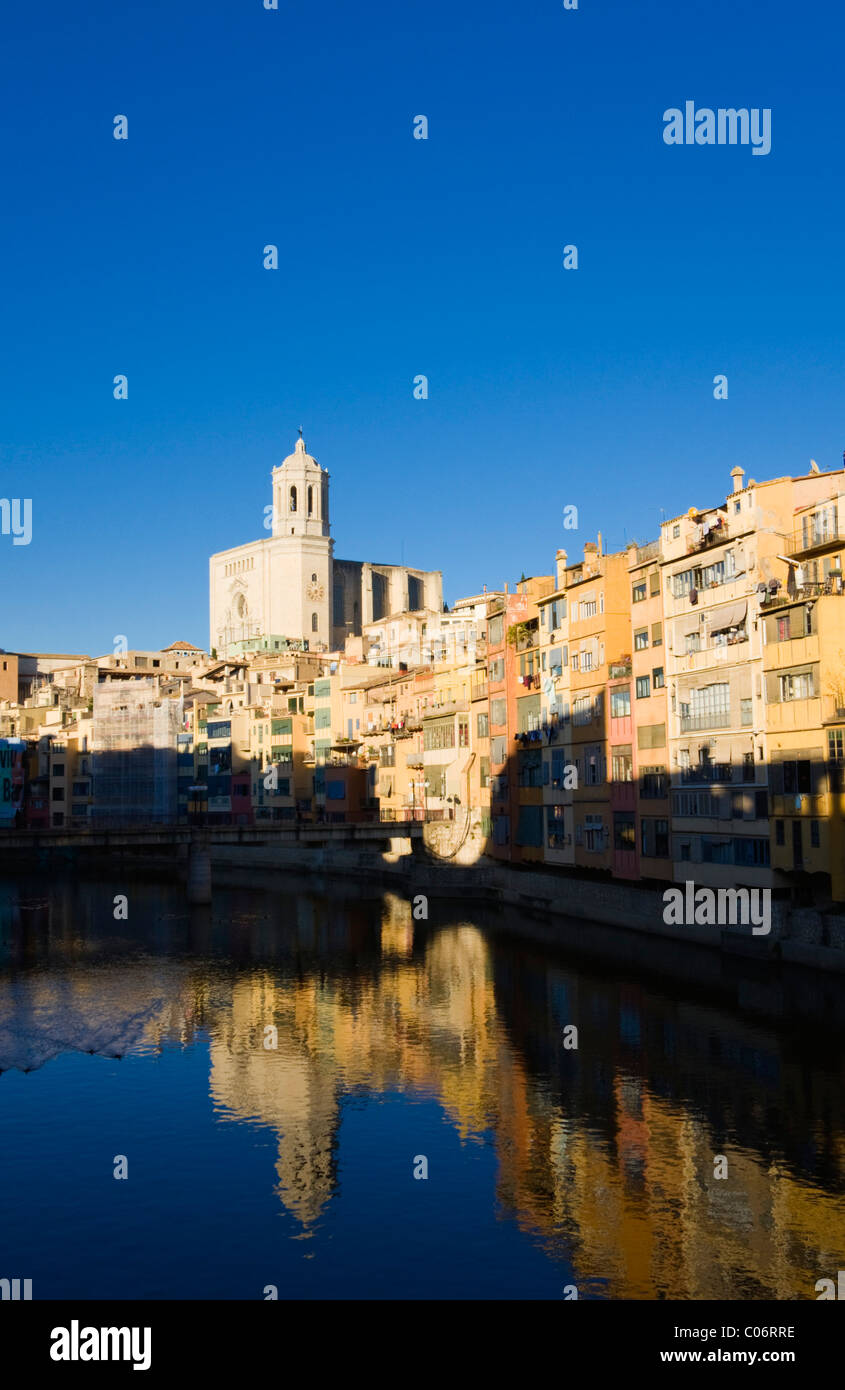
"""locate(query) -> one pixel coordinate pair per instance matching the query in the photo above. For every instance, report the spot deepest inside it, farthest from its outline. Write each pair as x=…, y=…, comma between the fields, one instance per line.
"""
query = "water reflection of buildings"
x=605, y=1155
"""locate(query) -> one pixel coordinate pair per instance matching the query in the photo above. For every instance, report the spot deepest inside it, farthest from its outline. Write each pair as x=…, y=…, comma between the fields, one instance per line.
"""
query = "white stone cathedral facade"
x=290, y=585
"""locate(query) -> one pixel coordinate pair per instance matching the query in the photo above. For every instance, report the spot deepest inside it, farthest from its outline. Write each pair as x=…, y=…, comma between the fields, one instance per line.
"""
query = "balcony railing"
x=710, y=773
x=816, y=538
x=718, y=719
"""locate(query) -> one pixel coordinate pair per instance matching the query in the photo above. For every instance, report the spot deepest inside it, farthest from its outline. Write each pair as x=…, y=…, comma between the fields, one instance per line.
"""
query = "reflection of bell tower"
x=300, y=495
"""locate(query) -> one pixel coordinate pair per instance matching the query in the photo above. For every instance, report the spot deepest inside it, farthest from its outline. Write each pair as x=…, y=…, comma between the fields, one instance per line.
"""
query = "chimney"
x=601, y=552
x=737, y=474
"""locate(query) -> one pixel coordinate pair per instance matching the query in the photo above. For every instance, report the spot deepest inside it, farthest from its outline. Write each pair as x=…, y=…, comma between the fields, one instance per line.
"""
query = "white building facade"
x=290, y=584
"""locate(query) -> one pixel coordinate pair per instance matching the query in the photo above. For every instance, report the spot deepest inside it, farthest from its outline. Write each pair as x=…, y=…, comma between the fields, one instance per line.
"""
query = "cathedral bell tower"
x=300, y=495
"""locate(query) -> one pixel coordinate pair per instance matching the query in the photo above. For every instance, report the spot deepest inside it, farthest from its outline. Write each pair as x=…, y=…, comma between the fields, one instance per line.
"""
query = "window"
x=314, y=622
x=555, y=822
x=592, y=767
x=797, y=777
x=657, y=678
x=815, y=841
x=706, y=708
x=483, y=726
x=593, y=835
x=501, y=830
x=692, y=642
x=820, y=526
x=676, y=531
x=530, y=767
x=58, y=793
x=836, y=744
x=657, y=634
x=654, y=583
x=582, y=710
x=624, y=832
x=439, y=733
x=641, y=639
x=746, y=712
x=620, y=702
x=654, y=838
x=655, y=783
x=588, y=609
x=780, y=838
x=58, y=769
x=484, y=772
x=638, y=592
x=293, y=499
x=310, y=501
x=496, y=630
x=498, y=711
x=498, y=750
x=559, y=767
x=797, y=687
x=556, y=662
x=622, y=763
x=496, y=669
x=643, y=687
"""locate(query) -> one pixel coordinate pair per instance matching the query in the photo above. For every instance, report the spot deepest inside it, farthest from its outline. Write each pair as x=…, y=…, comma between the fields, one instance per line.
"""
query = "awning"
x=732, y=616
x=687, y=625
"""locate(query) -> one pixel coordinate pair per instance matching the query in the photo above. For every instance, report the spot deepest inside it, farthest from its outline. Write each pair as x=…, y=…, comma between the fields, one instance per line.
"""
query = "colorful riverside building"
x=514, y=702
x=556, y=724
x=724, y=568
x=803, y=629
x=649, y=752
x=596, y=590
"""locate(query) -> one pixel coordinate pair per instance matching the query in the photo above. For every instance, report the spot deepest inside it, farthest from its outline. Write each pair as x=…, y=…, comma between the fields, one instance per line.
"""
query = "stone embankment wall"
x=448, y=865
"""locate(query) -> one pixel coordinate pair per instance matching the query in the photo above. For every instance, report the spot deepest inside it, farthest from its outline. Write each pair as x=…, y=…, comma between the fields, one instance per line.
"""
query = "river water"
x=272, y=1071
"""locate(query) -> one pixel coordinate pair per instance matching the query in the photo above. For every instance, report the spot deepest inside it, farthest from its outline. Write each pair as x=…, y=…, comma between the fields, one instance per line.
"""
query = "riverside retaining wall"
x=800, y=935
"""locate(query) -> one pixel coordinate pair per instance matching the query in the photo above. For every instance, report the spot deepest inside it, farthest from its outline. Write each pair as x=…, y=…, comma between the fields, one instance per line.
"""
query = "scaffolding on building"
x=134, y=763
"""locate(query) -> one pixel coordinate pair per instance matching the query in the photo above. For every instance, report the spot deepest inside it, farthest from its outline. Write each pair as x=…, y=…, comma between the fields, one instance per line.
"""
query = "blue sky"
x=397, y=257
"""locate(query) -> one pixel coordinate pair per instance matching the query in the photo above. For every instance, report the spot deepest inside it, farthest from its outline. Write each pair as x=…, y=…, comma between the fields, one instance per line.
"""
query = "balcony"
x=706, y=774
x=809, y=540
x=710, y=533
x=834, y=584
x=695, y=723
x=522, y=637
